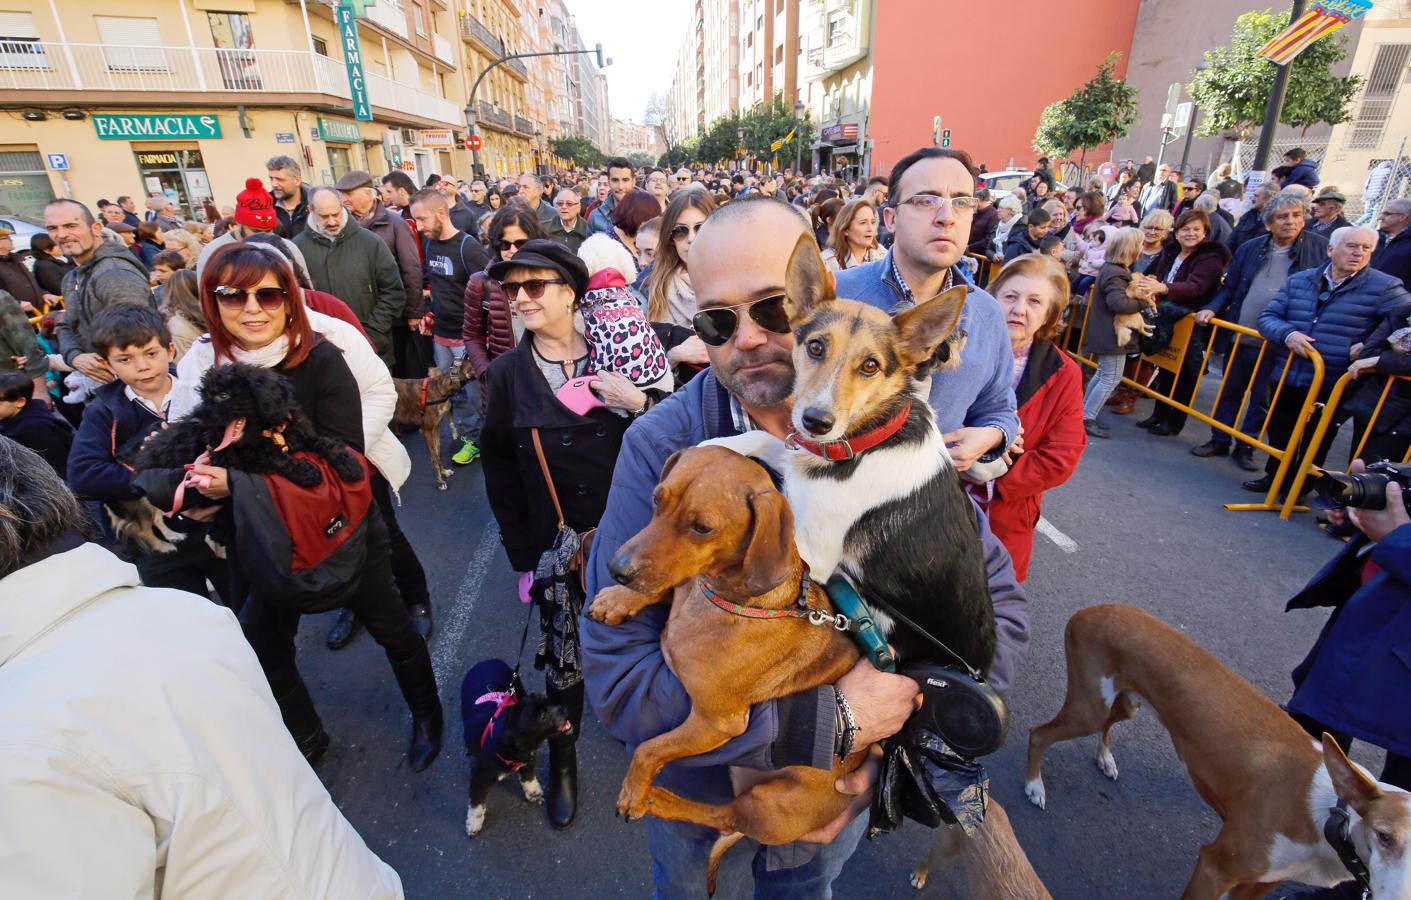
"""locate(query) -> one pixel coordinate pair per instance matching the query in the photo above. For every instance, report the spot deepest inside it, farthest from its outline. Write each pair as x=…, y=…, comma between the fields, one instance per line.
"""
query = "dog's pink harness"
x=234, y=429
x=503, y=700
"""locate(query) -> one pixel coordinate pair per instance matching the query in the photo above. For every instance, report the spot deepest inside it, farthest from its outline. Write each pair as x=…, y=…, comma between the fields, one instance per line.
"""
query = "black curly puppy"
x=274, y=429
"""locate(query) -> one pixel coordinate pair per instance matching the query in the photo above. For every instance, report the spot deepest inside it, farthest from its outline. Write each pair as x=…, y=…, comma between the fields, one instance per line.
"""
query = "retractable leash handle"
x=868, y=636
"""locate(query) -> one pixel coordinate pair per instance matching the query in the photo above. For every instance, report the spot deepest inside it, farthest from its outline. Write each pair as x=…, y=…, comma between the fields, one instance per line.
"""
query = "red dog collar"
x=837, y=451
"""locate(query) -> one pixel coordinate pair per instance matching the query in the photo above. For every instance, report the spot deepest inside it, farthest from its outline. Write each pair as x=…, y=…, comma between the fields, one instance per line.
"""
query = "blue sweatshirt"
x=112, y=426
x=981, y=391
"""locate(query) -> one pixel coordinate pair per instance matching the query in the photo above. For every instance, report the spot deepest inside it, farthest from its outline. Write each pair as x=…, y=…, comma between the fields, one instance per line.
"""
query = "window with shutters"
x=1378, y=97
x=320, y=46
x=131, y=44
x=20, y=47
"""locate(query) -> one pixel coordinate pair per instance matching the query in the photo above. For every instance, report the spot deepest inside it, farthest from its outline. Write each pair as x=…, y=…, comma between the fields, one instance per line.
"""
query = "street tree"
x=719, y=142
x=1099, y=112
x=1233, y=88
x=688, y=151
x=578, y=150
x=640, y=158
x=773, y=121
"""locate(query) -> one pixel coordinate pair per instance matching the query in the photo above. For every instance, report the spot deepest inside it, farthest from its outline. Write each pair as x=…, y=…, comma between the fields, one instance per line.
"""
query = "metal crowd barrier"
x=1330, y=415
x=987, y=269
x=1173, y=357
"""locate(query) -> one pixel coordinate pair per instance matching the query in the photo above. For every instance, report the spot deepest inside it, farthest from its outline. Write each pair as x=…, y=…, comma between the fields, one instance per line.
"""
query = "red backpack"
x=303, y=546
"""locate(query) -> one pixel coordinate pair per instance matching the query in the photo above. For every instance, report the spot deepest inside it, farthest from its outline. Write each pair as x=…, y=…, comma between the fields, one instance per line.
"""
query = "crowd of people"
x=665, y=289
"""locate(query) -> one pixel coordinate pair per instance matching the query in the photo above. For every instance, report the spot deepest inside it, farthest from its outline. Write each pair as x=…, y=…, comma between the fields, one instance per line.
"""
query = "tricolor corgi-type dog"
x=874, y=492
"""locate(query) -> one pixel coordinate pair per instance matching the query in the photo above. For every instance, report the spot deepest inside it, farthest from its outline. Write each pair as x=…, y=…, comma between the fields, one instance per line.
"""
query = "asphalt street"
x=1141, y=522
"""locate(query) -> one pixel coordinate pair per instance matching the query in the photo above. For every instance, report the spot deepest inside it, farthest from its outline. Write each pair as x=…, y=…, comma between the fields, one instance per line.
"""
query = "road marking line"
x=1064, y=542
x=453, y=624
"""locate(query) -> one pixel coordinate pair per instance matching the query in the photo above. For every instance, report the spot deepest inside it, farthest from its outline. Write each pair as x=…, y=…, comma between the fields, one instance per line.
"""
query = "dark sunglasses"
x=269, y=298
x=717, y=325
x=679, y=232
x=506, y=246
x=533, y=288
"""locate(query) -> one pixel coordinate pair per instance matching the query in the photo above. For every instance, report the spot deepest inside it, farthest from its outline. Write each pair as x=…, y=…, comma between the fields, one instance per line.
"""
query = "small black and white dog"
x=504, y=727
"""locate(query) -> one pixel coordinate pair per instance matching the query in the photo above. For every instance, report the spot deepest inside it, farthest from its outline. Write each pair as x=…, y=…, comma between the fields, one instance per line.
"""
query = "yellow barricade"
x=1330, y=413
x=987, y=269
x=1173, y=357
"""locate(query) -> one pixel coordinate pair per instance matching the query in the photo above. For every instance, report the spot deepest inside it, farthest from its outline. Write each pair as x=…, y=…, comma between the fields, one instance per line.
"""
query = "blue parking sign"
x=58, y=160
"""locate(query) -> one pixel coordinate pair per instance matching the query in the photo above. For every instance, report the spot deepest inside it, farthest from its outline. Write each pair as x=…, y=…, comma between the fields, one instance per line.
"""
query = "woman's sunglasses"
x=717, y=325
x=507, y=246
x=679, y=232
x=533, y=288
x=269, y=298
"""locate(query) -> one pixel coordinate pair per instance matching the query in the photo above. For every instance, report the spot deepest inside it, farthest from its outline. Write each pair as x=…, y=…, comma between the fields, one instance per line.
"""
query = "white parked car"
x=1002, y=184
x=23, y=231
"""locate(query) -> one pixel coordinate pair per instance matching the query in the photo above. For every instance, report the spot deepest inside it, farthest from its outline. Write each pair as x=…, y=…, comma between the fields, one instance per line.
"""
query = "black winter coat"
x=581, y=452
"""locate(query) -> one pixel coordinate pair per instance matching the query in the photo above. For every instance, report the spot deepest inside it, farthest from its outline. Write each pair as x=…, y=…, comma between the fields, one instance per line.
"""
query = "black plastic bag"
x=923, y=779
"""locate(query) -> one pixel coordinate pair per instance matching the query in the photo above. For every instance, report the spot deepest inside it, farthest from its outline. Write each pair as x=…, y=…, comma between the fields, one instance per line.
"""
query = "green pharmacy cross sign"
x=347, y=15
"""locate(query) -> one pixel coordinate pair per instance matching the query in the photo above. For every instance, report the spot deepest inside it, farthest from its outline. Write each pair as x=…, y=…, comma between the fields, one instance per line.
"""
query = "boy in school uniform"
x=135, y=343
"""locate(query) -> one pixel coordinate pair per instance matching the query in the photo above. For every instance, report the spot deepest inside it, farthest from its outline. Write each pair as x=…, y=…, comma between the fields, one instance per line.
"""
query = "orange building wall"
x=988, y=69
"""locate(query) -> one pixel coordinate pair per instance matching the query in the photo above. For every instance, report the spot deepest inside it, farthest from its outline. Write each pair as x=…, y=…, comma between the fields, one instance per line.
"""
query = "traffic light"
x=601, y=63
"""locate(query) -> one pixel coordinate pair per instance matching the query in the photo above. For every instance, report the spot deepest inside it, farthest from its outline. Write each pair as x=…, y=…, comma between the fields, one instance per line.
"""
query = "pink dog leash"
x=234, y=429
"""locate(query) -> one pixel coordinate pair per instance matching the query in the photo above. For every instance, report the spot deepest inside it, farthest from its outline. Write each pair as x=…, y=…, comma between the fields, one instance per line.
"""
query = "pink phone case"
x=578, y=396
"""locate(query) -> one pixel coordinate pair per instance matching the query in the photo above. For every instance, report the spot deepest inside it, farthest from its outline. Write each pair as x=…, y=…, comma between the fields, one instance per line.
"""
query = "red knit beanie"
x=254, y=206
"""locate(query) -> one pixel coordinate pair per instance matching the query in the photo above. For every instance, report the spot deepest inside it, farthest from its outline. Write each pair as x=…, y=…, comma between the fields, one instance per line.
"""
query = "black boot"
x=1152, y=419
x=418, y=684
x=344, y=627
x=562, y=787
x=297, y=709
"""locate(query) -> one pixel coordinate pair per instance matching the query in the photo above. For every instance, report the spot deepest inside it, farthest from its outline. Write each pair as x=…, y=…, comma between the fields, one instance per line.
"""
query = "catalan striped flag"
x=1322, y=20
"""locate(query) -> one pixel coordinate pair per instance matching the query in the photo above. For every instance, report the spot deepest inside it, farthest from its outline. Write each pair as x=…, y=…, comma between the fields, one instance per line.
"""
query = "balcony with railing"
x=55, y=66
x=474, y=31
x=390, y=16
x=495, y=117
x=523, y=126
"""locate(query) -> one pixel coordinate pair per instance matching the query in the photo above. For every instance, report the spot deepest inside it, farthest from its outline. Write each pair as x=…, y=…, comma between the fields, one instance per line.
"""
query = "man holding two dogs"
x=739, y=264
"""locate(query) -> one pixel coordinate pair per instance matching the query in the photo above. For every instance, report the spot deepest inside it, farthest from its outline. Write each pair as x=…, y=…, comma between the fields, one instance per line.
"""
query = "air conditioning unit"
x=411, y=137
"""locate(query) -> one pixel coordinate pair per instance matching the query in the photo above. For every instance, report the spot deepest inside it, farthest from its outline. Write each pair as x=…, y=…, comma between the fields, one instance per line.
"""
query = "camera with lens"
x=1367, y=490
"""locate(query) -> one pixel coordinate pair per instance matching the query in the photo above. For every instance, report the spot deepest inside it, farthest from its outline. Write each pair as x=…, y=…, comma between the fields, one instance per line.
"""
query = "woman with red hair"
x=255, y=309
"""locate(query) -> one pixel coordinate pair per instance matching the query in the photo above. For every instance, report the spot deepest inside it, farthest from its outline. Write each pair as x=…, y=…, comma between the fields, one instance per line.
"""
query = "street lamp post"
x=799, y=110
x=470, y=111
x=740, y=142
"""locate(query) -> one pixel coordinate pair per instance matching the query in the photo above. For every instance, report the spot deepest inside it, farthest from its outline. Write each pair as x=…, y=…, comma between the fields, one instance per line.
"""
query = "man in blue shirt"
x=932, y=204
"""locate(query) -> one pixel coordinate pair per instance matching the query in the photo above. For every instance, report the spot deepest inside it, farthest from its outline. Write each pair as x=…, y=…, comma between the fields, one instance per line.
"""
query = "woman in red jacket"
x=1032, y=290
x=488, y=326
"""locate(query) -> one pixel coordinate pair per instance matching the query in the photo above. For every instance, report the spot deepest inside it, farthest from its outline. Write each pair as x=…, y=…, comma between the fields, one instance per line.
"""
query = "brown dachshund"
x=722, y=530
x=424, y=402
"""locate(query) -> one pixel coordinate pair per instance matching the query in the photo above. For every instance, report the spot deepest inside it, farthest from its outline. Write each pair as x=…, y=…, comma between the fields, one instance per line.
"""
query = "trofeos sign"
x=156, y=128
x=353, y=57
x=339, y=130
x=437, y=137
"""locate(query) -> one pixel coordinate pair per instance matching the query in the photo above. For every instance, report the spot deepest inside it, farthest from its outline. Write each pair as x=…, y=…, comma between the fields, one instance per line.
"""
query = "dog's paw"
x=918, y=878
x=441, y=486
x=1106, y=763
x=614, y=604
x=1034, y=790
x=533, y=791
x=633, y=802
x=474, y=820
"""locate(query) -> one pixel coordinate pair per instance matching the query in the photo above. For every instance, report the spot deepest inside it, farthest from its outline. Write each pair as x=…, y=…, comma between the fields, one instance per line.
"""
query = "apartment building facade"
x=191, y=97
x=684, y=101
x=769, y=50
x=720, y=58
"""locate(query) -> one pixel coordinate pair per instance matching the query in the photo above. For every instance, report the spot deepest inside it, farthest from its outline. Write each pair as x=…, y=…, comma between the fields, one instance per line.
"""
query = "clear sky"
x=642, y=38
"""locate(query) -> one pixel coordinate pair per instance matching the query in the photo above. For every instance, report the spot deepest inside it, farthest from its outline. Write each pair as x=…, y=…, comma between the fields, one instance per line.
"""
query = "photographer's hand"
x=1378, y=523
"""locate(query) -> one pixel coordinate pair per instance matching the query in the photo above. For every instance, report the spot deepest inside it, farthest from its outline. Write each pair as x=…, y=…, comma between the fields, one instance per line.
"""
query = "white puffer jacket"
x=143, y=754
x=375, y=387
